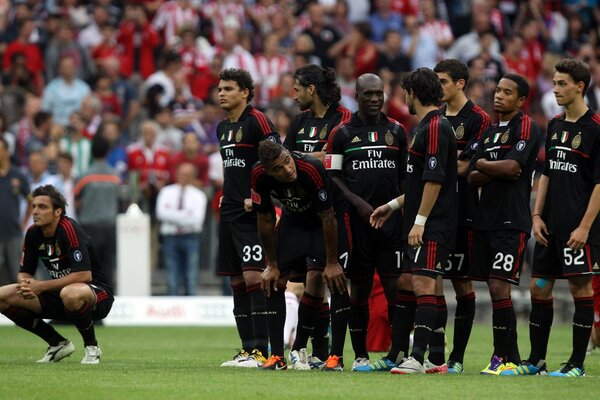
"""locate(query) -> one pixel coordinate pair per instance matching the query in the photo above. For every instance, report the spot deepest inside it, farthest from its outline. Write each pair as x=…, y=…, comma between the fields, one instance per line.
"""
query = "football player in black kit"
x=429, y=226
x=318, y=95
x=503, y=167
x=78, y=290
x=469, y=122
x=367, y=160
x=312, y=225
x=240, y=253
x=567, y=229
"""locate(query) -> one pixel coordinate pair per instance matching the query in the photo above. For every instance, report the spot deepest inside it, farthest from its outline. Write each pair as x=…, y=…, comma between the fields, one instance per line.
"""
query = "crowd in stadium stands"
x=144, y=74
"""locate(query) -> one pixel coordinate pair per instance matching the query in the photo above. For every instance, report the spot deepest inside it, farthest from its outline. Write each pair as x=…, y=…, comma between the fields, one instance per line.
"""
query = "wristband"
x=393, y=204
x=420, y=220
x=536, y=215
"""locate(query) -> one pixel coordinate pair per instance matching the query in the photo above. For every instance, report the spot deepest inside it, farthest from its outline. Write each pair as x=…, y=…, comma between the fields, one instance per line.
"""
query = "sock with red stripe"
x=340, y=307
x=276, y=320
x=358, y=323
x=583, y=318
x=307, y=314
x=259, y=318
x=33, y=323
x=320, y=338
x=84, y=323
x=242, y=315
x=425, y=316
x=540, y=322
x=437, y=343
x=402, y=324
x=501, y=323
x=463, y=324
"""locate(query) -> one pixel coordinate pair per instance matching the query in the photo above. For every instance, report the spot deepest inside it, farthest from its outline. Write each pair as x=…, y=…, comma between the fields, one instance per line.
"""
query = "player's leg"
x=358, y=318
x=437, y=344
x=403, y=319
x=276, y=309
x=79, y=300
x=27, y=314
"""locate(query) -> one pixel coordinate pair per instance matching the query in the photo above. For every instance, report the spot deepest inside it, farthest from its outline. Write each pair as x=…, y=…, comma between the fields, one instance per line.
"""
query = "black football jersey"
x=312, y=192
x=239, y=150
x=308, y=133
x=69, y=250
x=470, y=122
x=573, y=169
x=504, y=203
x=371, y=159
x=432, y=158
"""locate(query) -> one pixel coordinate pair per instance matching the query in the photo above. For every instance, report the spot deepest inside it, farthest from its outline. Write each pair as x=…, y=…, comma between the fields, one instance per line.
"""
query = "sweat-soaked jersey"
x=308, y=133
x=69, y=250
x=504, y=203
x=432, y=158
x=239, y=150
x=573, y=170
x=470, y=122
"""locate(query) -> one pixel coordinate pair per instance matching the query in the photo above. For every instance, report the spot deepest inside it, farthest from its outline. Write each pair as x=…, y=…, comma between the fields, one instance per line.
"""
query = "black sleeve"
x=436, y=152
x=317, y=186
x=260, y=192
x=79, y=255
x=29, y=257
x=290, y=139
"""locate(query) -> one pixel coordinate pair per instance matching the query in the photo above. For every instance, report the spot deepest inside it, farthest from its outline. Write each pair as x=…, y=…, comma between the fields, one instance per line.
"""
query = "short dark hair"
x=41, y=117
x=241, y=77
x=269, y=151
x=65, y=155
x=578, y=70
x=100, y=146
x=522, y=85
x=454, y=68
x=324, y=79
x=57, y=199
x=425, y=85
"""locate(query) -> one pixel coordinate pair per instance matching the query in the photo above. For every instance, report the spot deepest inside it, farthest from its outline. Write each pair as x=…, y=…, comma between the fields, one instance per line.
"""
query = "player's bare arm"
x=579, y=236
x=266, y=231
x=431, y=192
x=30, y=287
x=333, y=274
x=384, y=212
x=363, y=208
x=477, y=178
x=503, y=169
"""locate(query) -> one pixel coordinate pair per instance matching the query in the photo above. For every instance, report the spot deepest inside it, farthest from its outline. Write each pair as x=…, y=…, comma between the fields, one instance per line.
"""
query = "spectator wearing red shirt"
x=22, y=45
x=358, y=45
x=191, y=152
x=138, y=40
x=108, y=47
x=195, y=63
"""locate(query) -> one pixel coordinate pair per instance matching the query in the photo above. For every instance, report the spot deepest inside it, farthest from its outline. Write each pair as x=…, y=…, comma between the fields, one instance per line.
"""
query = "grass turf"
x=182, y=363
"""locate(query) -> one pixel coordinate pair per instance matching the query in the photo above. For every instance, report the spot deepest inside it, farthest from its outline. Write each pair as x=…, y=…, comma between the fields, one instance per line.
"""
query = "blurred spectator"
x=7, y=135
x=212, y=114
x=359, y=46
x=418, y=45
x=72, y=10
x=396, y=107
x=172, y=16
x=192, y=153
x=391, y=59
x=138, y=41
x=31, y=52
x=158, y=90
x=303, y=50
x=63, y=95
x=117, y=155
x=492, y=64
x=467, y=46
x=168, y=135
x=322, y=34
x=435, y=27
x=38, y=174
x=108, y=46
x=22, y=129
x=223, y=14
x=148, y=164
x=77, y=144
x=39, y=133
x=593, y=92
x=384, y=19
x=126, y=93
x=516, y=58
x=181, y=210
x=340, y=18
x=13, y=188
x=235, y=55
x=91, y=36
x=270, y=64
x=195, y=63
x=111, y=107
x=96, y=199
x=19, y=81
x=576, y=35
x=67, y=181
x=91, y=114
x=346, y=79
x=65, y=46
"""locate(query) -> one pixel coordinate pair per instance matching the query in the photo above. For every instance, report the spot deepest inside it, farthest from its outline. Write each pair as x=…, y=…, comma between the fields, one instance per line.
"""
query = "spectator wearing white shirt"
x=181, y=209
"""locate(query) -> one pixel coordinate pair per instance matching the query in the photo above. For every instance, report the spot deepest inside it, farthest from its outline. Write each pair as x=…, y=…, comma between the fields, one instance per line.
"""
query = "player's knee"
x=71, y=297
x=580, y=286
x=499, y=290
x=314, y=283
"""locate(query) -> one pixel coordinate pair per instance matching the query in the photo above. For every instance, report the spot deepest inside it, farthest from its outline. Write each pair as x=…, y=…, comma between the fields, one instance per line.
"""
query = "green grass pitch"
x=183, y=363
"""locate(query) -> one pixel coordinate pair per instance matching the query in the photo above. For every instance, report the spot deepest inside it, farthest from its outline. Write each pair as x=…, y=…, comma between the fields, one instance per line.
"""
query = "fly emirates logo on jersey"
x=231, y=160
x=559, y=149
x=374, y=159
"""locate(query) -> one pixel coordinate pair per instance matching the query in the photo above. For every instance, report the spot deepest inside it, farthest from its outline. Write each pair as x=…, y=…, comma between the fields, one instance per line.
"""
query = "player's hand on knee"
x=540, y=231
x=334, y=278
x=269, y=278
